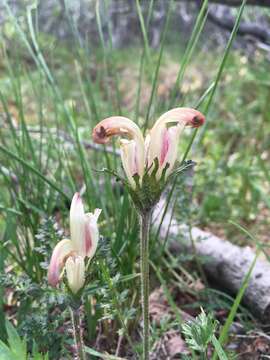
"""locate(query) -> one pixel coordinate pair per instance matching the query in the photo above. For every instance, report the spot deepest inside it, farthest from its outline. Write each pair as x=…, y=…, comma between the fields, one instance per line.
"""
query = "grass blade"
x=199, y=25
x=156, y=73
x=34, y=170
x=225, y=329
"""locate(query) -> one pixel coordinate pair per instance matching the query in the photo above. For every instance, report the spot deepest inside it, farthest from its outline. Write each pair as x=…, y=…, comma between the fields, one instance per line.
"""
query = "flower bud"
x=75, y=271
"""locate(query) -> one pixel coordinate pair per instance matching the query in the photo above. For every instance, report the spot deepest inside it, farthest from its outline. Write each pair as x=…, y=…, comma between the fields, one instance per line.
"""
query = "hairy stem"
x=76, y=322
x=144, y=248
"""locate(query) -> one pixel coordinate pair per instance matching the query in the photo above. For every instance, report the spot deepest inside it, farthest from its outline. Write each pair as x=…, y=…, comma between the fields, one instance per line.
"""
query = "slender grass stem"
x=76, y=323
x=144, y=248
x=33, y=170
x=204, y=355
x=197, y=259
x=198, y=28
x=156, y=73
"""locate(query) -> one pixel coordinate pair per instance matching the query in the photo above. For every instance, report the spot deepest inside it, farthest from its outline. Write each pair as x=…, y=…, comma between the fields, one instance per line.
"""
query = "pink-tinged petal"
x=164, y=136
x=75, y=270
x=187, y=116
x=164, y=146
x=60, y=253
x=172, y=141
x=132, y=159
x=91, y=233
x=146, y=144
x=88, y=243
x=96, y=214
x=77, y=224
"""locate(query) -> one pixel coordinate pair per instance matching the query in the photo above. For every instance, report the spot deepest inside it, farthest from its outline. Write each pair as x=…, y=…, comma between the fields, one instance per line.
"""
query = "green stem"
x=76, y=322
x=144, y=248
x=205, y=356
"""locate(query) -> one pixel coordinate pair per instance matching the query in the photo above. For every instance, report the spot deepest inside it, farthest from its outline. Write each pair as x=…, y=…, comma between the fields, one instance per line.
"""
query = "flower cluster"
x=138, y=154
x=71, y=254
x=148, y=161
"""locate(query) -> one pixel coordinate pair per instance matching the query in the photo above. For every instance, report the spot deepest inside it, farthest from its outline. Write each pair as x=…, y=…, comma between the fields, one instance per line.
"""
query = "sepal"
x=147, y=195
x=114, y=174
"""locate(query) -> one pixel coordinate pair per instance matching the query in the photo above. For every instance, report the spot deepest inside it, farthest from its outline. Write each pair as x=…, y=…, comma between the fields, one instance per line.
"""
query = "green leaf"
x=16, y=344
x=128, y=277
x=218, y=348
x=100, y=355
x=36, y=355
x=199, y=333
x=5, y=353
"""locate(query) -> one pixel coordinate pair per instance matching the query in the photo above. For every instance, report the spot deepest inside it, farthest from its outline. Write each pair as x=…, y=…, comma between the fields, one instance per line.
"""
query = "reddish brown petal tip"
x=100, y=135
x=197, y=120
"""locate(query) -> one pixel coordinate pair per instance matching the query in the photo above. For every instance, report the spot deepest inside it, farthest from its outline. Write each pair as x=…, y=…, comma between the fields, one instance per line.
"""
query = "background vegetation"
x=52, y=93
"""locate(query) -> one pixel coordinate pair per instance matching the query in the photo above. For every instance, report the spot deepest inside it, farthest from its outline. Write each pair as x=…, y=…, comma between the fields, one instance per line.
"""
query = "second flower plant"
x=70, y=253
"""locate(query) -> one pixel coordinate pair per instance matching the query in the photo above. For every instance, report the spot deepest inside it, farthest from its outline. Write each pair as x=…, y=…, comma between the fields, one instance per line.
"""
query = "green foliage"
x=51, y=97
x=17, y=349
x=47, y=236
x=199, y=333
x=37, y=315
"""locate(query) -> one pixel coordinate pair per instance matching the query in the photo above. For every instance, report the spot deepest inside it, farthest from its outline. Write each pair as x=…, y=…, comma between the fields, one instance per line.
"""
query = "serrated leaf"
x=17, y=346
x=5, y=353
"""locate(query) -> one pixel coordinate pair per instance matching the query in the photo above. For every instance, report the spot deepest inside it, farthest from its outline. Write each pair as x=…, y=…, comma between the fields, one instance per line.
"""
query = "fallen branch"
x=263, y=3
x=254, y=30
x=227, y=264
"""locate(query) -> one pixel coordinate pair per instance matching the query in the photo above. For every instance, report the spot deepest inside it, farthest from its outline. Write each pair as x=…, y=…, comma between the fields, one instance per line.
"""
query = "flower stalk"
x=77, y=333
x=149, y=164
x=145, y=219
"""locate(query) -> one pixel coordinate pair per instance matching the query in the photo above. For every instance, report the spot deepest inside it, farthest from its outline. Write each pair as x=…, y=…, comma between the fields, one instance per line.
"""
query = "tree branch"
x=246, y=28
x=60, y=134
x=263, y=3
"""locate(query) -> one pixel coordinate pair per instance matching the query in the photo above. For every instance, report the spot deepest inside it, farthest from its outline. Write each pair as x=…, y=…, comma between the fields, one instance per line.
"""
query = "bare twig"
x=119, y=344
x=66, y=137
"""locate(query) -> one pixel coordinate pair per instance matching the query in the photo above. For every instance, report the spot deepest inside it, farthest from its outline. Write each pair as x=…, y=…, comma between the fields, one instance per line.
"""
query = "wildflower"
x=161, y=144
x=147, y=163
x=71, y=253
